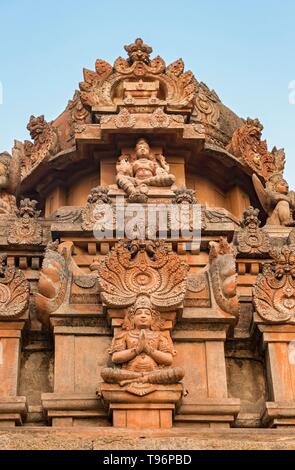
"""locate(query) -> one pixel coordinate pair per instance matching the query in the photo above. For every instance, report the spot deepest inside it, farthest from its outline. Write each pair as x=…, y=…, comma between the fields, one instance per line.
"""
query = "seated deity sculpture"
x=141, y=351
x=136, y=174
x=276, y=199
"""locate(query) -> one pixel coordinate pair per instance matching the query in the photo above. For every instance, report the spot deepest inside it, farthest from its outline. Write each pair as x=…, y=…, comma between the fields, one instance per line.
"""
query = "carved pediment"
x=139, y=82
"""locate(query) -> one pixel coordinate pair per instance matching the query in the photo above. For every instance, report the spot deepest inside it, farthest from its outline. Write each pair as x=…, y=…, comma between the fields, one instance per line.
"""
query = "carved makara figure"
x=223, y=275
x=252, y=239
x=135, y=175
x=247, y=146
x=9, y=183
x=46, y=143
x=26, y=230
x=141, y=351
x=274, y=291
x=53, y=280
x=276, y=199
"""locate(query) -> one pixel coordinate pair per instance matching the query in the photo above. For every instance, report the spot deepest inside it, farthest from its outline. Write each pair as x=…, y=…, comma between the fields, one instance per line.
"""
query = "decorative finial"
x=138, y=51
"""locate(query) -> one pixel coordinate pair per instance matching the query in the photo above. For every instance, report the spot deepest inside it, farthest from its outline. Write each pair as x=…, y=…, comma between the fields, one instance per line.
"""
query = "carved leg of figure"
x=130, y=186
x=164, y=376
x=127, y=184
x=119, y=376
x=281, y=215
x=160, y=180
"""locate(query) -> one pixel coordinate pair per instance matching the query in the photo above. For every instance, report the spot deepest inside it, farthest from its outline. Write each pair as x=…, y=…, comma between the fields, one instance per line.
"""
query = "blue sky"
x=243, y=49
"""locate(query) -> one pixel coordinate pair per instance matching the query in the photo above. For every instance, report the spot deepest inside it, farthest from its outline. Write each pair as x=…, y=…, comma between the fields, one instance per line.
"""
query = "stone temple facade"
x=110, y=327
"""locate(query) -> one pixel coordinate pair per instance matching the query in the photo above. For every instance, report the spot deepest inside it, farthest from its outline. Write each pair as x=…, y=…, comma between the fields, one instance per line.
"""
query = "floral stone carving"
x=206, y=110
x=78, y=115
x=136, y=173
x=274, y=291
x=26, y=230
x=14, y=291
x=142, y=267
x=252, y=239
x=247, y=146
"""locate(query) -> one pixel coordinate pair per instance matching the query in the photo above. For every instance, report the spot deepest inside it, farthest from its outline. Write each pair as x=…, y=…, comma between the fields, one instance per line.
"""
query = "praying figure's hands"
x=141, y=343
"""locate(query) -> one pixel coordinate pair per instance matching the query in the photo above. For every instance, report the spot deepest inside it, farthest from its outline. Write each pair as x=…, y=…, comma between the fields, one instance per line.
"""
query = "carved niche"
x=14, y=291
x=247, y=146
x=94, y=215
x=140, y=170
x=147, y=278
x=9, y=183
x=274, y=290
x=139, y=82
x=252, y=240
x=26, y=230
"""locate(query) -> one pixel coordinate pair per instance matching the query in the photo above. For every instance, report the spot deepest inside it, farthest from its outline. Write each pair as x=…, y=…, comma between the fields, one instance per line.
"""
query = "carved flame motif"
x=142, y=267
x=274, y=291
x=14, y=292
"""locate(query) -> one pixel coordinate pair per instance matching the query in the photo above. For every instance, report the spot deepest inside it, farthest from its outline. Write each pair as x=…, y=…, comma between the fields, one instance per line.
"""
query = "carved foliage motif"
x=78, y=115
x=206, y=110
x=223, y=275
x=95, y=212
x=14, y=292
x=274, y=294
x=100, y=87
x=274, y=291
x=26, y=230
x=142, y=267
x=246, y=145
x=124, y=119
x=252, y=239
